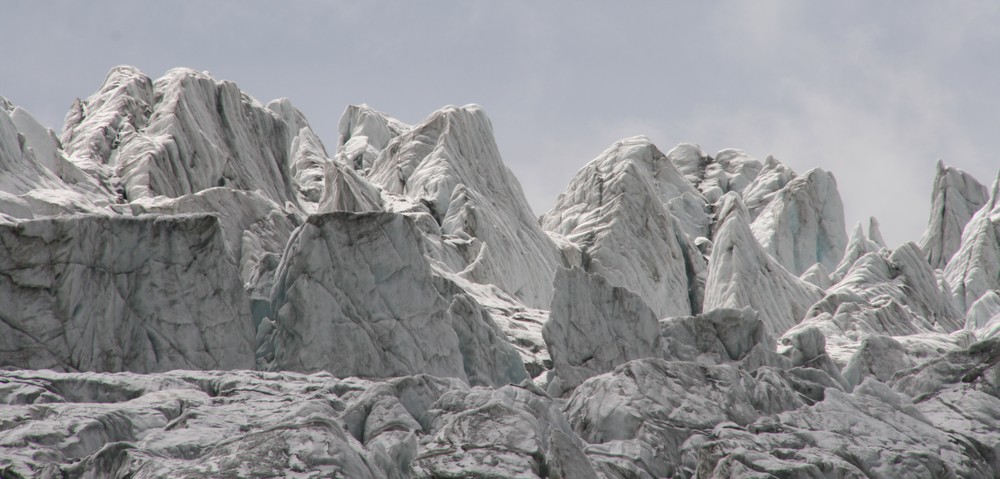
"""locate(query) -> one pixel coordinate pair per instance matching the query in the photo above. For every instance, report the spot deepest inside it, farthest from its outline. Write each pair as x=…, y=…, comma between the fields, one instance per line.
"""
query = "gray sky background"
x=875, y=92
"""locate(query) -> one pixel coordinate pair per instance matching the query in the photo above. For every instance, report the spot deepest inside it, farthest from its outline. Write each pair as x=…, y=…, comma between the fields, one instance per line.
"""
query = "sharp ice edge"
x=675, y=314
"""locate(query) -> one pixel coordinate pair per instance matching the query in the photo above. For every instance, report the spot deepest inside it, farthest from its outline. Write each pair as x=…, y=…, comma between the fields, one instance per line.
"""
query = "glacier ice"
x=955, y=198
x=742, y=274
x=99, y=293
x=192, y=285
x=653, y=258
x=594, y=326
x=974, y=269
x=452, y=155
x=803, y=224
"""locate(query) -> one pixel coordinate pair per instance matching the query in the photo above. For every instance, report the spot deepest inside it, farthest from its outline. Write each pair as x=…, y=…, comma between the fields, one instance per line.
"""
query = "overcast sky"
x=874, y=92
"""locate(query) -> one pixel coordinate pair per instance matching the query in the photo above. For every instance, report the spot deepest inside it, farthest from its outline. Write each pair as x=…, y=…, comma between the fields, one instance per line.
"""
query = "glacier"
x=192, y=284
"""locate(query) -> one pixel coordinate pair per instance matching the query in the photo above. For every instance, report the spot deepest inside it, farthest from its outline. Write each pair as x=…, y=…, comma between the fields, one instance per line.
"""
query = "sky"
x=874, y=92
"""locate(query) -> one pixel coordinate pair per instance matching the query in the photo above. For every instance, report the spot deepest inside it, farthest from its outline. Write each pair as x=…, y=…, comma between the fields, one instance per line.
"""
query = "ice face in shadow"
x=354, y=296
x=143, y=294
x=594, y=326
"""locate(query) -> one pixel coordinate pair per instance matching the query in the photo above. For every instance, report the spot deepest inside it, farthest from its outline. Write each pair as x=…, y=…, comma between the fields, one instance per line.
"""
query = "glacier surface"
x=192, y=284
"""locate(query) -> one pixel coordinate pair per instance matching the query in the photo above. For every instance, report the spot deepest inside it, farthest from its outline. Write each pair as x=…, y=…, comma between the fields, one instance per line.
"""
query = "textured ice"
x=955, y=198
x=887, y=293
x=741, y=274
x=652, y=258
x=450, y=161
x=772, y=178
x=171, y=259
x=307, y=156
x=594, y=326
x=803, y=224
x=144, y=294
x=974, y=269
x=364, y=133
x=730, y=169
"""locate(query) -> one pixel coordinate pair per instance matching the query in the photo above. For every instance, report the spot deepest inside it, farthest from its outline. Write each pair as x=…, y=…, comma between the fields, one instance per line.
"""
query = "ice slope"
x=652, y=257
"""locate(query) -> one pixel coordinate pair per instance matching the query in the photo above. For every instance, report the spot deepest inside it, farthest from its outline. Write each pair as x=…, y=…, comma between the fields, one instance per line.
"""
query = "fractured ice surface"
x=193, y=285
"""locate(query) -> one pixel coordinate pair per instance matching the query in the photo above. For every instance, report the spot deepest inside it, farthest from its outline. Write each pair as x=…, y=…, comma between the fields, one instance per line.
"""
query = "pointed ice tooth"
x=182, y=134
x=974, y=269
x=741, y=274
x=857, y=246
x=772, y=178
x=875, y=232
x=455, y=146
x=307, y=164
x=955, y=198
x=364, y=133
x=653, y=257
x=91, y=132
x=294, y=119
x=345, y=190
x=307, y=156
x=804, y=223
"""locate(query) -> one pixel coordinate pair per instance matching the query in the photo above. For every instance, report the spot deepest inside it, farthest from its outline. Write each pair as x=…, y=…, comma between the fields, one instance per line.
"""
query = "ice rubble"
x=675, y=314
